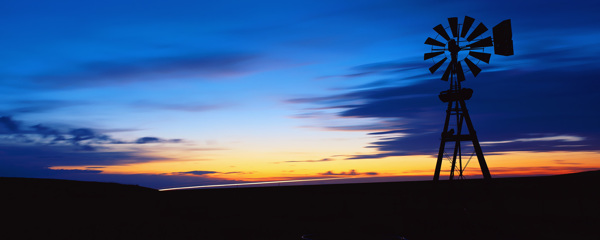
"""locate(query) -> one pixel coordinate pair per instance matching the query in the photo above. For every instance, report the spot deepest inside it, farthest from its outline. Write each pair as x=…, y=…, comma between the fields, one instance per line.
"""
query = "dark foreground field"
x=556, y=207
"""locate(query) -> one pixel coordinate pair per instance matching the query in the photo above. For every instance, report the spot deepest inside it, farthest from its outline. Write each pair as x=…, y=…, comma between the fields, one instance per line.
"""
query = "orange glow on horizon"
x=253, y=168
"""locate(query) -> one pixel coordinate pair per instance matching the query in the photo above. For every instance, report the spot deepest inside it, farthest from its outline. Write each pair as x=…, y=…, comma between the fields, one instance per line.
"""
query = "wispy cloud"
x=566, y=162
x=36, y=160
x=186, y=107
x=35, y=106
x=197, y=172
x=350, y=173
x=561, y=138
x=94, y=74
x=310, y=161
x=145, y=140
x=86, y=139
x=542, y=170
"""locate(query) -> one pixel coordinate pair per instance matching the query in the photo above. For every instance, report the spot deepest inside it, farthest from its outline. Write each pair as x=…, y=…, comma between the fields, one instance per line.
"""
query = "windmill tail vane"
x=463, y=38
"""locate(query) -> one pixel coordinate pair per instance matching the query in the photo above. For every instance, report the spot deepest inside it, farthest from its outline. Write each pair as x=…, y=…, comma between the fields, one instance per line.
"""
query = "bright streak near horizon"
x=247, y=184
x=314, y=181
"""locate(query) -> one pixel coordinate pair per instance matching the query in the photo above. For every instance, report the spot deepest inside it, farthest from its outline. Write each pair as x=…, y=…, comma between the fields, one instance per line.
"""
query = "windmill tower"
x=458, y=126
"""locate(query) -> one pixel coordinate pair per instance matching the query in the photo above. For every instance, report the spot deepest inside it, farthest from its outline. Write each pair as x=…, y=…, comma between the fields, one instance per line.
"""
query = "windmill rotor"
x=461, y=38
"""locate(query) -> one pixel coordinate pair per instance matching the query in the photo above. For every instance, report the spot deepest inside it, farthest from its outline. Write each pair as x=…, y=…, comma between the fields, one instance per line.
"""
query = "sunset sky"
x=181, y=93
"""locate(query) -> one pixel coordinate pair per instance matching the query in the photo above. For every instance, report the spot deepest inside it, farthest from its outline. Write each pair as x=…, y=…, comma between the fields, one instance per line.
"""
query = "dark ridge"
x=43, y=186
x=551, y=207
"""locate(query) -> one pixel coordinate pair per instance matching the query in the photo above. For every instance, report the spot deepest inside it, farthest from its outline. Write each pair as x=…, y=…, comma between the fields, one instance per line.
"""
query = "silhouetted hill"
x=40, y=186
x=554, y=207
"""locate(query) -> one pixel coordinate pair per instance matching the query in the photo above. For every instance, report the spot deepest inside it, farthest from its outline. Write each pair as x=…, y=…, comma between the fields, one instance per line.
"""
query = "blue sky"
x=173, y=93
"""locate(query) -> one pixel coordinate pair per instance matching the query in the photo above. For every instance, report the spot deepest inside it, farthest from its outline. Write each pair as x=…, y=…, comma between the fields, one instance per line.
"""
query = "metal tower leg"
x=462, y=168
x=453, y=167
x=438, y=165
x=482, y=164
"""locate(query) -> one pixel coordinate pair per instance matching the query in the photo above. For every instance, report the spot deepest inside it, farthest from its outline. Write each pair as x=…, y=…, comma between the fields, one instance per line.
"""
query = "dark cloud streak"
x=198, y=172
x=86, y=139
x=95, y=74
x=310, y=161
x=350, y=173
x=521, y=102
x=186, y=107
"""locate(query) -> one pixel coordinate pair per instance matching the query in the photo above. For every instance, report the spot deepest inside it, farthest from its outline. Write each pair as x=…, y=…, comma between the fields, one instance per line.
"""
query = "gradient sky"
x=179, y=93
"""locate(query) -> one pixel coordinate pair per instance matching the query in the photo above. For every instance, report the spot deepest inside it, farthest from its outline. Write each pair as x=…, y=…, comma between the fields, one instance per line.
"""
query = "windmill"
x=465, y=45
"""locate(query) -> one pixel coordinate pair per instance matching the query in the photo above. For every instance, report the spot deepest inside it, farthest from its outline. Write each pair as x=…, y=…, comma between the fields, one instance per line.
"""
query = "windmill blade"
x=431, y=41
x=447, y=72
x=481, y=56
x=466, y=25
x=432, y=54
x=480, y=29
x=459, y=72
x=442, y=32
x=453, y=21
x=486, y=42
x=474, y=68
x=435, y=67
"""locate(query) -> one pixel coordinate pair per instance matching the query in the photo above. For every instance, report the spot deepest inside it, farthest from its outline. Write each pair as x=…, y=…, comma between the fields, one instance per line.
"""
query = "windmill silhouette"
x=457, y=115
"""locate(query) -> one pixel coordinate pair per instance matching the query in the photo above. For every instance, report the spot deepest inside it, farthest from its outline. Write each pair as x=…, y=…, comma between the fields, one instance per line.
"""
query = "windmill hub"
x=457, y=114
x=453, y=47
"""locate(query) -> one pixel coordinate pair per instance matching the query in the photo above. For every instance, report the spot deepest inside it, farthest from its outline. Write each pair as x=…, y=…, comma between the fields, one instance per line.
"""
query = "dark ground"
x=555, y=207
